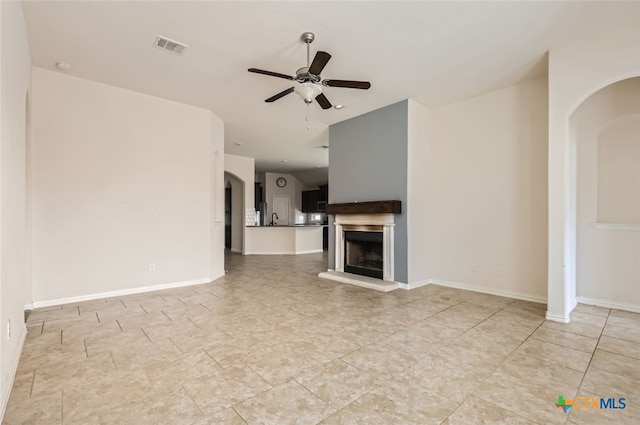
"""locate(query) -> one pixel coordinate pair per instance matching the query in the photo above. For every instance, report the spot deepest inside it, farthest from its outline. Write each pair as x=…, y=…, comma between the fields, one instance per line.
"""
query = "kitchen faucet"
x=274, y=213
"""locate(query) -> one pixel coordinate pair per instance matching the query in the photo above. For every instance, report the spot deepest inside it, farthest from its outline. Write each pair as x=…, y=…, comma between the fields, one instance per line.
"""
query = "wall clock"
x=281, y=182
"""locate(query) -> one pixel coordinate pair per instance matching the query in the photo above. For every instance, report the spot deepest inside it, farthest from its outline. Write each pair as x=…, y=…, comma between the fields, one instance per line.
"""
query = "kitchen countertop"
x=296, y=225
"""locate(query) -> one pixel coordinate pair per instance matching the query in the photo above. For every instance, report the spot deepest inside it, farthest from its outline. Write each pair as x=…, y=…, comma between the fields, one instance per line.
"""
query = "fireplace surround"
x=380, y=224
x=368, y=225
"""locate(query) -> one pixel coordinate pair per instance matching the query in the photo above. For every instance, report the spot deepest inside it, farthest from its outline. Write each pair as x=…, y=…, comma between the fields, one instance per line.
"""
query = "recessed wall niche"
x=618, y=183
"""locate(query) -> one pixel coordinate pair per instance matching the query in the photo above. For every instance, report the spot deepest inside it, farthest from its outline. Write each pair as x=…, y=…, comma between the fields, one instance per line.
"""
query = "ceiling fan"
x=310, y=83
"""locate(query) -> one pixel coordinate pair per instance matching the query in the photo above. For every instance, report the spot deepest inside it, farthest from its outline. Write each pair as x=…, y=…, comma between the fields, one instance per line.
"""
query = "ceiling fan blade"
x=319, y=62
x=279, y=95
x=323, y=101
x=272, y=74
x=364, y=85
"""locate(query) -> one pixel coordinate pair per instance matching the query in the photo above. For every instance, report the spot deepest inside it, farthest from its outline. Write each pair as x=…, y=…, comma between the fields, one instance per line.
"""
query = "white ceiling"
x=432, y=52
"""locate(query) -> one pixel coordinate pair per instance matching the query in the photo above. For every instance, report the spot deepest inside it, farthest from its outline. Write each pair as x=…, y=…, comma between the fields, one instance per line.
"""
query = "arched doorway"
x=234, y=213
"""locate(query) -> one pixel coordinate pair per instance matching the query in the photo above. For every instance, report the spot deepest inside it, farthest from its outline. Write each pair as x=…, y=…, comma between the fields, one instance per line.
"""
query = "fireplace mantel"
x=376, y=207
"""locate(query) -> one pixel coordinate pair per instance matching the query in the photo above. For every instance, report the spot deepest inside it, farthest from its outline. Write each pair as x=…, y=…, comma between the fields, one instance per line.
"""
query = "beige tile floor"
x=270, y=343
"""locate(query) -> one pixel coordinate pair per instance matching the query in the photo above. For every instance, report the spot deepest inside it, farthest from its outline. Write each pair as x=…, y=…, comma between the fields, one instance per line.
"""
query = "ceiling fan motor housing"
x=304, y=76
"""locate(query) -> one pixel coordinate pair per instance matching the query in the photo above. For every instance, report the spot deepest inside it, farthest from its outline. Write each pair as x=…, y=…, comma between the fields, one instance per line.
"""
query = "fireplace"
x=363, y=252
x=363, y=244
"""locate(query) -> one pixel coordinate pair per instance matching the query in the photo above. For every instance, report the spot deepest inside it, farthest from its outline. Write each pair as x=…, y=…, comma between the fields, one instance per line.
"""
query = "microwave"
x=322, y=205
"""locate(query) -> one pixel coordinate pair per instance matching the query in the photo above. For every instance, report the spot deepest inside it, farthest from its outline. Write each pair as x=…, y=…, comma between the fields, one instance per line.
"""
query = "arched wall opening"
x=606, y=133
x=236, y=188
x=575, y=73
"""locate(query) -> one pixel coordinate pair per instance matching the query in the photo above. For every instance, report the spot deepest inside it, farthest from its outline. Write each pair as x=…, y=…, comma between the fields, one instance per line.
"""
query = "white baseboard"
x=122, y=292
x=236, y=250
x=311, y=251
x=414, y=285
x=492, y=291
x=13, y=369
x=562, y=318
x=609, y=304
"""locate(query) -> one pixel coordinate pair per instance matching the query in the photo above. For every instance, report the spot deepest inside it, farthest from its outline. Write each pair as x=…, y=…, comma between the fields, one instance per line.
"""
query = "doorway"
x=281, y=210
x=227, y=215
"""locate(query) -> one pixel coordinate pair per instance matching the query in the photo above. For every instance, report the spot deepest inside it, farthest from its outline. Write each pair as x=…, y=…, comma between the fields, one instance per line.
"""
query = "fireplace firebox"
x=363, y=253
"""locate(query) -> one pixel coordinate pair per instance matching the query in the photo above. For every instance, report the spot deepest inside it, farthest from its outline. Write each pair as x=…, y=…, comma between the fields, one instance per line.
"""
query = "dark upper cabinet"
x=310, y=200
x=258, y=195
x=324, y=193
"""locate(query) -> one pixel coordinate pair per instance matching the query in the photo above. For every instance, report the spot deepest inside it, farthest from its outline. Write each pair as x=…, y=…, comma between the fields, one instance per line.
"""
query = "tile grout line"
x=211, y=311
x=145, y=334
x=33, y=379
x=174, y=343
x=239, y=415
x=194, y=323
x=112, y=360
x=211, y=357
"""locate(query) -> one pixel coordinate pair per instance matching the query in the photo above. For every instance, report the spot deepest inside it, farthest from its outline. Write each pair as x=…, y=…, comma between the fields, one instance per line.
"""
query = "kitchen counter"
x=278, y=240
x=294, y=225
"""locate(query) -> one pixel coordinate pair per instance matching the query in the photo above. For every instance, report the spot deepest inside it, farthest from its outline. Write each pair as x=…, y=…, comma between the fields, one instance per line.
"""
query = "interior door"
x=281, y=208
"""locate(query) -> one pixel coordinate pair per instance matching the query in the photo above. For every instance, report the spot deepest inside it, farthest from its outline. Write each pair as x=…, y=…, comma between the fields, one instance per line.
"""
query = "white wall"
x=608, y=261
x=122, y=180
x=243, y=168
x=419, y=204
x=575, y=73
x=15, y=75
x=484, y=193
x=216, y=196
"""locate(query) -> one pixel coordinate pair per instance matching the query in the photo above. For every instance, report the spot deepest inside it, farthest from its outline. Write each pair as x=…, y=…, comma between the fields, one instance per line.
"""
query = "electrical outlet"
x=475, y=268
x=9, y=329
x=498, y=270
x=152, y=267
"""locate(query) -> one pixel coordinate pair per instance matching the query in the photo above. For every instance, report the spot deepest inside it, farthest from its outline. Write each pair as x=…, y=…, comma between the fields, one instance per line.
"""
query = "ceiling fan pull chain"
x=307, y=117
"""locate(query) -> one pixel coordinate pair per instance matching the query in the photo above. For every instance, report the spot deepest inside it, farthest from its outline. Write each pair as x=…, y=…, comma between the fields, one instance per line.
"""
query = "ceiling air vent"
x=169, y=45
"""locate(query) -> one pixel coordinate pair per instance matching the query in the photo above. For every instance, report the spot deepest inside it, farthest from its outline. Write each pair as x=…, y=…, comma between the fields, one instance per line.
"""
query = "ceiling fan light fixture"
x=308, y=91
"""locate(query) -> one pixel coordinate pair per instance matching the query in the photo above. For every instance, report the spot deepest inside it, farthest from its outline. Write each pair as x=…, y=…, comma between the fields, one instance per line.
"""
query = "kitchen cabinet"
x=310, y=200
x=324, y=193
x=258, y=196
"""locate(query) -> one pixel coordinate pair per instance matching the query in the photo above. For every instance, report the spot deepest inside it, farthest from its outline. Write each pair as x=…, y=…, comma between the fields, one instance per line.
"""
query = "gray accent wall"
x=368, y=162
